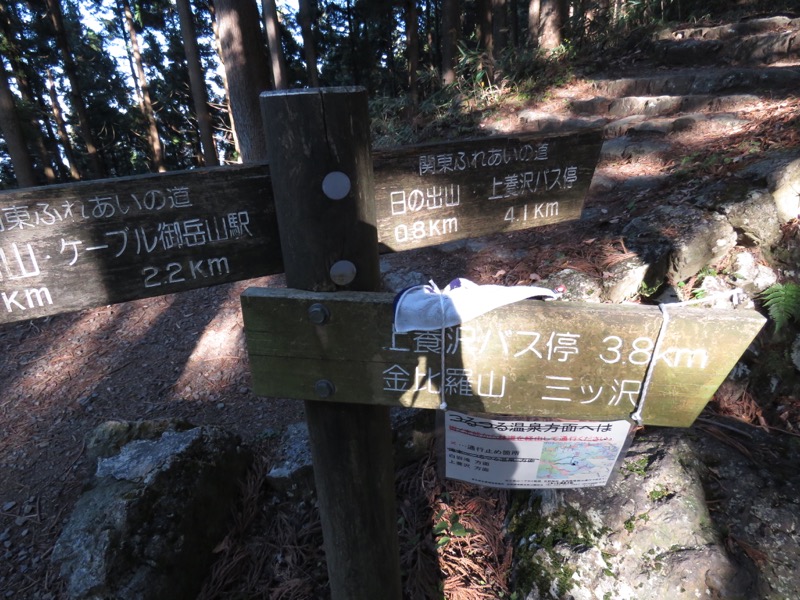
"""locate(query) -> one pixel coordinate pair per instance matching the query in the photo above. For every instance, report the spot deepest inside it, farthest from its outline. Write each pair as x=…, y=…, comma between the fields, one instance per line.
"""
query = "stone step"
x=660, y=106
x=768, y=48
x=765, y=48
x=642, y=124
x=753, y=41
x=733, y=30
x=548, y=122
x=704, y=81
x=633, y=148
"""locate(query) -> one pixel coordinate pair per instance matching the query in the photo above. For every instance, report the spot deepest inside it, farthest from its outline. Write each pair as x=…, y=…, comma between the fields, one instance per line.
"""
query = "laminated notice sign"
x=516, y=454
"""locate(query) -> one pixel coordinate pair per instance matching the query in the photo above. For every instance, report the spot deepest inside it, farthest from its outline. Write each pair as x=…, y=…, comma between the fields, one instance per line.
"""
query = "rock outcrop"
x=156, y=508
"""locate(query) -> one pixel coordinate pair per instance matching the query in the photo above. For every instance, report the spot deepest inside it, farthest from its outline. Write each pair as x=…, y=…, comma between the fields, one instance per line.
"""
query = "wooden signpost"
x=323, y=187
x=321, y=213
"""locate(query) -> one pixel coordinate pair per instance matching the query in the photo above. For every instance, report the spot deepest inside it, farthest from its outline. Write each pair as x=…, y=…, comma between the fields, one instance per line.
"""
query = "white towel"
x=427, y=308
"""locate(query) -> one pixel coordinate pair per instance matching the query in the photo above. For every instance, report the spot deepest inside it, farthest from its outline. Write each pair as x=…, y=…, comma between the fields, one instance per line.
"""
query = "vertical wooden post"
x=321, y=172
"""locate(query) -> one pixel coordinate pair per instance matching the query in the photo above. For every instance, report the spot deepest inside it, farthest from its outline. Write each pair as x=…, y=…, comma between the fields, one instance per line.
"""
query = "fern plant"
x=782, y=302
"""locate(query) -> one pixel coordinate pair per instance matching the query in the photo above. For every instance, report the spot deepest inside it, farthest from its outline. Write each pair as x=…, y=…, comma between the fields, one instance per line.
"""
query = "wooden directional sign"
x=559, y=359
x=75, y=246
x=436, y=193
x=70, y=247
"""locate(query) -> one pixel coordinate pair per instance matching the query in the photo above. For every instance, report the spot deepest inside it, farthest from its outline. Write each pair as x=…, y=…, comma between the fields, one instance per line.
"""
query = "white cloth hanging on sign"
x=428, y=308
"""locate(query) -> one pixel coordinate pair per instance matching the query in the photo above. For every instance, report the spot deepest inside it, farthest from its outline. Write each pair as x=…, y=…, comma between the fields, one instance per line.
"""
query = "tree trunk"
x=24, y=76
x=412, y=45
x=352, y=36
x=48, y=142
x=197, y=83
x=227, y=100
x=307, y=15
x=513, y=29
x=534, y=22
x=63, y=136
x=13, y=135
x=389, y=25
x=242, y=48
x=277, y=60
x=551, y=20
x=485, y=29
x=499, y=27
x=450, y=30
x=129, y=55
x=156, y=152
x=76, y=91
x=434, y=29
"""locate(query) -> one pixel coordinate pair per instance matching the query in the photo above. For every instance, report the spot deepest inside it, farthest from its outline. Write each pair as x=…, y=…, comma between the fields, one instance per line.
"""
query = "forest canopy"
x=108, y=88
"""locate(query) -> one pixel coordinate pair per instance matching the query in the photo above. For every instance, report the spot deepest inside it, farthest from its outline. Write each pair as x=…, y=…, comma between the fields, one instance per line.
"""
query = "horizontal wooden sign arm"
x=75, y=246
x=533, y=358
x=439, y=192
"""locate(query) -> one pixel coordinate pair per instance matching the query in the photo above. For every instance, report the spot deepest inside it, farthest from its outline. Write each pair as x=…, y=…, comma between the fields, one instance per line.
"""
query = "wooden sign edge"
x=684, y=416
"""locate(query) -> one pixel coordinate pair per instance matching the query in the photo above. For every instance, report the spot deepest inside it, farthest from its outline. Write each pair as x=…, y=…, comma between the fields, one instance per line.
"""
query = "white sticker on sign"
x=518, y=454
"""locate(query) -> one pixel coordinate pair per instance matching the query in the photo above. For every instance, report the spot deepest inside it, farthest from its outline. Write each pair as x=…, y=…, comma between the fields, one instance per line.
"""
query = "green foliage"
x=637, y=467
x=659, y=492
x=648, y=290
x=448, y=528
x=358, y=42
x=782, y=302
x=539, y=562
x=629, y=524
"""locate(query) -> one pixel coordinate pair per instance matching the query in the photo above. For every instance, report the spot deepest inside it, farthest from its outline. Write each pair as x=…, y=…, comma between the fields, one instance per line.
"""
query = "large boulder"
x=647, y=535
x=784, y=183
x=755, y=219
x=679, y=241
x=781, y=172
x=147, y=526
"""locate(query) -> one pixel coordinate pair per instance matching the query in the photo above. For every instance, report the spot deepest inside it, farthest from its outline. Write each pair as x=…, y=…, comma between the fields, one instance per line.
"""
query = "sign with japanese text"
x=550, y=359
x=75, y=246
x=524, y=454
x=441, y=192
x=70, y=247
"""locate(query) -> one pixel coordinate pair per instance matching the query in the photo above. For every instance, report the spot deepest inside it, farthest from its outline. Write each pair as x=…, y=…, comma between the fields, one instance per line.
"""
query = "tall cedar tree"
x=146, y=103
x=450, y=30
x=30, y=97
x=412, y=50
x=242, y=49
x=198, y=83
x=76, y=88
x=307, y=15
x=551, y=20
x=11, y=128
x=277, y=61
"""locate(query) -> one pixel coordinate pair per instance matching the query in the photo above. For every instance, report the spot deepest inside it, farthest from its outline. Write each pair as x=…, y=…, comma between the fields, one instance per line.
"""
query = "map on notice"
x=519, y=454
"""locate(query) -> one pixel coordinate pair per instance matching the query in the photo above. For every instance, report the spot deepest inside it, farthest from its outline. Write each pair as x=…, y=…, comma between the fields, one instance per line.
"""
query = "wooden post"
x=322, y=180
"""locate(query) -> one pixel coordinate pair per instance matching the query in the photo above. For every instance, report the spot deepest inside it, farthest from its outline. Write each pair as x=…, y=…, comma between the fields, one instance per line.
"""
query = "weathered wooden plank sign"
x=435, y=193
x=75, y=246
x=557, y=359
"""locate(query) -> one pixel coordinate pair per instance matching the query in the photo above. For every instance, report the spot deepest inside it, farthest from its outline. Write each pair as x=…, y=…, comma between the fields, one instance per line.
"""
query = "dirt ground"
x=183, y=356
x=176, y=357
